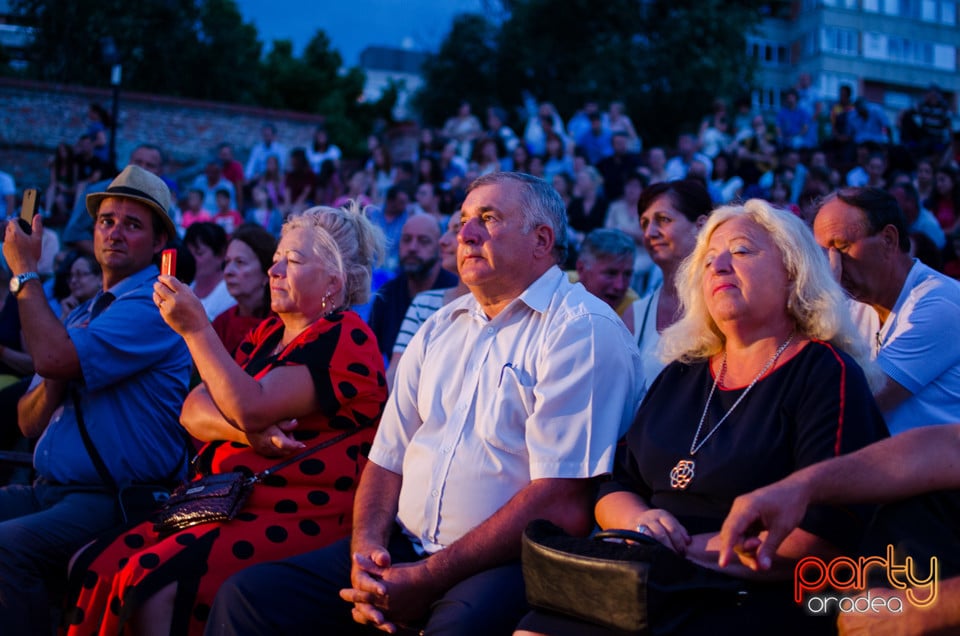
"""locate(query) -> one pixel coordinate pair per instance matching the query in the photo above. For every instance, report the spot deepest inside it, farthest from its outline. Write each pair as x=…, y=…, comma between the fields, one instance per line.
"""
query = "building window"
x=948, y=13
x=841, y=41
x=768, y=52
x=889, y=48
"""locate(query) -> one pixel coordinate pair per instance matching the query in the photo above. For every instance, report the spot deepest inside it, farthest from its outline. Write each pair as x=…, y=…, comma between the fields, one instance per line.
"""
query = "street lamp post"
x=111, y=57
x=115, y=73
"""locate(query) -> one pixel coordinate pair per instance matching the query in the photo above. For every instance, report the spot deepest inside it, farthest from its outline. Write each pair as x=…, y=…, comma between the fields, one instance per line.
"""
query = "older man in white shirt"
x=509, y=402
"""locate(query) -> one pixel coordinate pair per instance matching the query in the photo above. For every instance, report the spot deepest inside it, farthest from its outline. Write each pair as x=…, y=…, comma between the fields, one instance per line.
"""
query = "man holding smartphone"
x=113, y=372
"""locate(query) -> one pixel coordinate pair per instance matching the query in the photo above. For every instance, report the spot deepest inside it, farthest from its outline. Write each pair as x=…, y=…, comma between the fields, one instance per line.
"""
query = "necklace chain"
x=694, y=445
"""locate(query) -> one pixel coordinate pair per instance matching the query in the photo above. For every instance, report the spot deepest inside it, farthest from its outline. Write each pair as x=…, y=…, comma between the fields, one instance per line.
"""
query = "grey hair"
x=815, y=301
x=607, y=243
x=540, y=204
x=348, y=243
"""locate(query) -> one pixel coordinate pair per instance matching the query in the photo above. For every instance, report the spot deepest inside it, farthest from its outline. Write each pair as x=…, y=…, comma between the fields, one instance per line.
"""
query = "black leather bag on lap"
x=640, y=587
x=219, y=497
x=211, y=498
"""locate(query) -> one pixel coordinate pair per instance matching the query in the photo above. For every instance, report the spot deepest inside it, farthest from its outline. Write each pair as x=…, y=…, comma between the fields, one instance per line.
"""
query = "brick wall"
x=36, y=116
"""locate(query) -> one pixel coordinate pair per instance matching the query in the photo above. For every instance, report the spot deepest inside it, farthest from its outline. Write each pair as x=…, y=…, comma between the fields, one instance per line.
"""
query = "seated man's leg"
x=299, y=595
x=489, y=603
x=42, y=527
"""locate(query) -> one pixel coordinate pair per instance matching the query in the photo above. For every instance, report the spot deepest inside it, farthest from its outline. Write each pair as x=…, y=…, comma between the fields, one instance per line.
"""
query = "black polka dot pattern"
x=285, y=507
x=359, y=369
x=243, y=550
x=312, y=466
x=273, y=481
x=276, y=534
x=358, y=336
x=201, y=612
x=318, y=498
x=90, y=579
x=309, y=527
x=347, y=390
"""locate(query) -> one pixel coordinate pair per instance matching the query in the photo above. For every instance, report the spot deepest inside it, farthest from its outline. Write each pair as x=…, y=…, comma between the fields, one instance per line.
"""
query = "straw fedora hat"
x=138, y=184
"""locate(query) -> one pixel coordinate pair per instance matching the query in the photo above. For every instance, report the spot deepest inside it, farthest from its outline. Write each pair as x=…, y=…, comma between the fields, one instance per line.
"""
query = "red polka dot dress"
x=301, y=507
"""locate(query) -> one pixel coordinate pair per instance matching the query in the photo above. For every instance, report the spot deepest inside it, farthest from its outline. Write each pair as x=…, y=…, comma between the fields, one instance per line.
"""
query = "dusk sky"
x=355, y=24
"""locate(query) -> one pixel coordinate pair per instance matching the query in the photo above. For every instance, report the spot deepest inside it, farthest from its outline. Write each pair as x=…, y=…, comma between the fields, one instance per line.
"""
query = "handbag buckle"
x=742, y=597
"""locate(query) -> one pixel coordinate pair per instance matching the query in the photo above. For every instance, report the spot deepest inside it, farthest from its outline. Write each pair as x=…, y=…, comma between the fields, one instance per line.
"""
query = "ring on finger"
x=644, y=529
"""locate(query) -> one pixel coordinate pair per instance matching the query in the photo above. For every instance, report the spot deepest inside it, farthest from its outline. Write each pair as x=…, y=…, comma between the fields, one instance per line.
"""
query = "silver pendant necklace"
x=683, y=473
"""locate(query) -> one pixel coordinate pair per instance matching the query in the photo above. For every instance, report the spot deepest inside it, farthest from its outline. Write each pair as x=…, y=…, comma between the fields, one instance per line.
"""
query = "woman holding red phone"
x=301, y=378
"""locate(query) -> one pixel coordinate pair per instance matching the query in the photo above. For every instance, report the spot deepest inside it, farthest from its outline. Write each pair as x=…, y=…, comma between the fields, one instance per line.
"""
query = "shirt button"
x=435, y=493
x=490, y=329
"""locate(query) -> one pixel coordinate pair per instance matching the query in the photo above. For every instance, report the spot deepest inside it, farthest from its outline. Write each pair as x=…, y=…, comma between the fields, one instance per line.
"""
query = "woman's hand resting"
x=664, y=527
x=276, y=440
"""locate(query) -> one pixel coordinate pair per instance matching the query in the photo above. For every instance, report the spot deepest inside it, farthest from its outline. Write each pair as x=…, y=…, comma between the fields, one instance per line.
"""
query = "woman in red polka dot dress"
x=298, y=380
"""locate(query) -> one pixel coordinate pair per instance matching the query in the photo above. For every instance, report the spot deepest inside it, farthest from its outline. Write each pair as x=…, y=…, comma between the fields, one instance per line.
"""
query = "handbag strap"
x=105, y=476
x=624, y=535
x=98, y=462
x=290, y=460
x=643, y=325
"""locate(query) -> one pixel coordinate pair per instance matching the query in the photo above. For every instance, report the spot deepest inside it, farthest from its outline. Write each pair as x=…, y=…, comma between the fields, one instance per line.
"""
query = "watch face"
x=16, y=283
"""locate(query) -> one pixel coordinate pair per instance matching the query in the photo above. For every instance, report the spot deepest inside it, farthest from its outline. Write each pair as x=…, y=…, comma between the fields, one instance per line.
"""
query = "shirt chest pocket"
x=502, y=422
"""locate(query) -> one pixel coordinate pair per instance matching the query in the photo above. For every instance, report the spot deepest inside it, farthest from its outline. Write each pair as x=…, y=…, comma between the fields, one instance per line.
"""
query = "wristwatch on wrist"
x=17, y=282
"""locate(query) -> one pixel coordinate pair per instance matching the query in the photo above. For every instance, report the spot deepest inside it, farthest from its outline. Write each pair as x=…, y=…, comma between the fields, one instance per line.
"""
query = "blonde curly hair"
x=348, y=244
x=818, y=305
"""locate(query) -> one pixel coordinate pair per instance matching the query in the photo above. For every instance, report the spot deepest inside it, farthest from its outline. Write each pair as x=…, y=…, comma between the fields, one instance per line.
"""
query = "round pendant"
x=682, y=474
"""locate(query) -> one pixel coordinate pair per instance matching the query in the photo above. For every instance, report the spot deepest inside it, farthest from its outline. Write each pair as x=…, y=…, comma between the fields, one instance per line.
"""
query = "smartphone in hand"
x=27, y=209
x=168, y=262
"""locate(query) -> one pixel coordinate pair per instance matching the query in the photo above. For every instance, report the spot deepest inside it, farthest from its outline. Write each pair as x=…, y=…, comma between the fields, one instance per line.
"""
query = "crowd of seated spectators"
x=304, y=276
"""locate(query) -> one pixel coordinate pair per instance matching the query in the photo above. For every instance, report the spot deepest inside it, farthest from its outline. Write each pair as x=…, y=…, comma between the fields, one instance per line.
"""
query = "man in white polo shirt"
x=508, y=403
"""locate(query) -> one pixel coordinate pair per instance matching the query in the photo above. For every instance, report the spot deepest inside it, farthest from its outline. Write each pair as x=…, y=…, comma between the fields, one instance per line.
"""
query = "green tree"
x=188, y=48
x=666, y=59
x=314, y=83
x=465, y=68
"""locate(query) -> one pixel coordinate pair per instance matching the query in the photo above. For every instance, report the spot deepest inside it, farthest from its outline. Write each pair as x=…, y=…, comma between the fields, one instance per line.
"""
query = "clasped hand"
x=385, y=595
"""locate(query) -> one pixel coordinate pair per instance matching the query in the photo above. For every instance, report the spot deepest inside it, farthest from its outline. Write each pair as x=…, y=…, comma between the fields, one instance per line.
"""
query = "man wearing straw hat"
x=112, y=373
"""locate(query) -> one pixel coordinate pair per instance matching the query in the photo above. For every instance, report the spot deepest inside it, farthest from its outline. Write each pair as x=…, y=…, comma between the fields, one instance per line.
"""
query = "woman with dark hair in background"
x=248, y=259
x=62, y=188
x=84, y=281
x=671, y=214
x=207, y=243
x=298, y=183
x=944, y=201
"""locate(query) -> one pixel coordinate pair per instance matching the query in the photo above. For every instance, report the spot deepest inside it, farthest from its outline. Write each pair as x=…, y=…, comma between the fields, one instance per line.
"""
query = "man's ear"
x=160, y=241
x=545, y=241
x=891, y=237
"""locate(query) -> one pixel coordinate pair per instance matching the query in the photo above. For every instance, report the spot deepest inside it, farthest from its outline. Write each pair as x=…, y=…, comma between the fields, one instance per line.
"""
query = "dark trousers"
x=41, y=526
x=300, y=595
